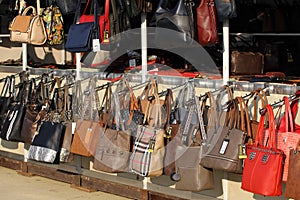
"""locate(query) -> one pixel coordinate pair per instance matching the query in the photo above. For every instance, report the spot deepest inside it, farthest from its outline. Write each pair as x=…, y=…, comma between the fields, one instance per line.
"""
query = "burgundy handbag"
x=207, y=23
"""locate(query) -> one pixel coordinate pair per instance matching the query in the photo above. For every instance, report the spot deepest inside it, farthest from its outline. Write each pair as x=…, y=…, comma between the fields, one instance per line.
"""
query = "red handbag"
x=264, y=163
x=207, y=23
x=103, y=21
x=287, y=137
x=294, y=109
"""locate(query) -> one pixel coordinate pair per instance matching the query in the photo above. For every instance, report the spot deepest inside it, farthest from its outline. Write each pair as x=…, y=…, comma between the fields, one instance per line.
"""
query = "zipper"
x=222, y=158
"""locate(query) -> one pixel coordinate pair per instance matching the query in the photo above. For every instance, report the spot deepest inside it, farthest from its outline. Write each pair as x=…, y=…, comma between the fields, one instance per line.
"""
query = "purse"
x=86, y=132
x=28, y=28
x=224, y=153
x=256, y=96
x=13, y=123
x=113, y=149
x=148, y=152
x=6, y=98
x=292, y=183
x=179, y=19
x=102, y=20
x=54, y=24
x=287, y=137
x=226, y=9
x=264, y=163
x=47, y=142
x=246, y=63
x=193, y=177
x=80, y=36
x=206, y=20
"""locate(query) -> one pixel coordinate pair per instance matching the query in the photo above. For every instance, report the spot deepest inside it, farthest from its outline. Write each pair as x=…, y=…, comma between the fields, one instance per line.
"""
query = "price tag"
x=151, y=145
x=224, y=146
x=242, y=151
x=96, y=45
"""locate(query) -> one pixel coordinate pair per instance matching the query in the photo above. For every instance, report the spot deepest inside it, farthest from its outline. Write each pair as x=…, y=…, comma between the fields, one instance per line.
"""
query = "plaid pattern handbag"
x=148, y=152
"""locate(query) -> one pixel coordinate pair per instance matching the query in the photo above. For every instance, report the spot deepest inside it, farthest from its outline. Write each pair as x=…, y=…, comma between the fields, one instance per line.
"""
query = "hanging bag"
x=264, y=163
x=87, y=127
x=287, y=137
x=28, y=28
x=148, y=151
x=54, y=24
x=292, y=183
x=226, y=9
x=206, y=17
x=80, y=35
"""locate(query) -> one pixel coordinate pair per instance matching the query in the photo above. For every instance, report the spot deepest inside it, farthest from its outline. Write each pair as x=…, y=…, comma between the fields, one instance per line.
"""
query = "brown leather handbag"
x=28, y=28
x=246, y=63
x=292, y=184
x=207, y=23
x=113, y=149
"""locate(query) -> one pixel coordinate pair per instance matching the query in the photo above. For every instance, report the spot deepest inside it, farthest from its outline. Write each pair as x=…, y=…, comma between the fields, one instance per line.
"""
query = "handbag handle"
x=29, y=8
x=261, y=127
x=288, y=124
x=245, y=118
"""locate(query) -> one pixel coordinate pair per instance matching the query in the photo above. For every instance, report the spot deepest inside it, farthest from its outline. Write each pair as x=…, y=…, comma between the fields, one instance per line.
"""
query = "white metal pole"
x=225, y=52
x=24, y=56
x=144, y=45
x=78, y=66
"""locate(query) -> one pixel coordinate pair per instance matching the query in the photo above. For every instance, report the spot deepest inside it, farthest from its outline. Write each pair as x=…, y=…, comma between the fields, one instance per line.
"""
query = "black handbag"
x=226, y=9
x=12, y=126
x=47, y=142
x=80, y=36
x=179, y=18
x=6, y=98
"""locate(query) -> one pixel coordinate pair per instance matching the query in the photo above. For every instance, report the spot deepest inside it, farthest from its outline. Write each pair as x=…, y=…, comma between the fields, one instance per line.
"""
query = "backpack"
x=54, y=25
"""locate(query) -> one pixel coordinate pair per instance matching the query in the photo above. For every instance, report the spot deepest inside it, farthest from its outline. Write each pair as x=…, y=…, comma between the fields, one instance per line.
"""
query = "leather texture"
x=207, y=23
x=112, y=154
x=28, y=29
x=246, y=63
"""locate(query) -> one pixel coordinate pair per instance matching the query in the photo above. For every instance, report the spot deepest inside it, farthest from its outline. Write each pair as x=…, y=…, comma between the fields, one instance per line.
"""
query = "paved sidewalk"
x=17, y=187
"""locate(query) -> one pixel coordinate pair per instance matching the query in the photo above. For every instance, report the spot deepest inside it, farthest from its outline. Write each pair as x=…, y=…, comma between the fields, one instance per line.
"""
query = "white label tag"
x=96, y=45
x=224, y=146
x=73, y=127
x=132, y=63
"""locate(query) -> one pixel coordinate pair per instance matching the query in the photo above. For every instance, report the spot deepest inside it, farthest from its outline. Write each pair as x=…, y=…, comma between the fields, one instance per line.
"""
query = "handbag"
x=226, y=9
x=246, y=63
x=287, y=137
x=171, y=138
x=113, y=149
x=12, y=126
x=179, y=19
x=224, y=153
x=54, y=24
x=80, y=35
x=102, y=20
x=292, y=183
x=264, y=163
x=6, y=98
x=206, y=20
x=28, y=28
x=256, y=96
x=47, y=142
x=193, y=177
x=148, y=152
x=87, y=128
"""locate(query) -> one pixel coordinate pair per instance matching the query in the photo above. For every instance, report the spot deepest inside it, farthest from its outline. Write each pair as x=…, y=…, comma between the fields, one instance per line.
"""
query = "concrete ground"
x=14, y=186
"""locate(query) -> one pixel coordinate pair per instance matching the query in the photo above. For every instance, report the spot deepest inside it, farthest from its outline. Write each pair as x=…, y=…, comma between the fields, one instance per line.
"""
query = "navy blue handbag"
x=81, y=35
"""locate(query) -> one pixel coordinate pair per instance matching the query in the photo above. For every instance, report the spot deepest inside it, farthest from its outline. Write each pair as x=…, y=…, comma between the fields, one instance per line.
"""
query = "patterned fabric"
x=41, y=154
x=54, y=25
x=148, y=152
x=140, y=158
